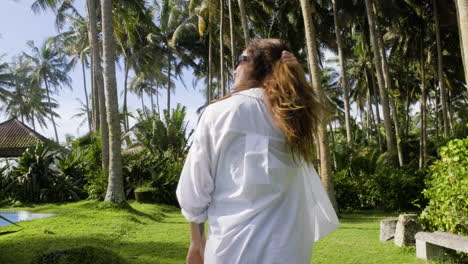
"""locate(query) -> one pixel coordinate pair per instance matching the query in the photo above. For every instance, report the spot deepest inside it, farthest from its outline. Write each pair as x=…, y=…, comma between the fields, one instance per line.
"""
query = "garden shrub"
x=37, y=177
x=160, y=149
x=85, y=158
x=397, y=188
x=447, y=190
x=388, y=188
x=7, y=182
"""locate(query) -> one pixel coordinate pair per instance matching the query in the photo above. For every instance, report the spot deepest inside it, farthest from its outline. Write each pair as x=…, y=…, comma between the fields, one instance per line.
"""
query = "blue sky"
x=19, y=24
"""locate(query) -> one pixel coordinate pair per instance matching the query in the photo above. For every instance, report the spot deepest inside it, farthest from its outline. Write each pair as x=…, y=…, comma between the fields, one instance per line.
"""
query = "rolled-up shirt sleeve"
x=196, y=181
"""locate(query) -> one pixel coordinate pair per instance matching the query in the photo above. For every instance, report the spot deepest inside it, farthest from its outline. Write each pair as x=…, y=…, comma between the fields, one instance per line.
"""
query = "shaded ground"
x=145, y=233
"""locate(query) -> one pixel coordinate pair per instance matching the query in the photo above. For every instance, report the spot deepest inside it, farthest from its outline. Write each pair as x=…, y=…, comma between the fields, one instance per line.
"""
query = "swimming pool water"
x=18, y=216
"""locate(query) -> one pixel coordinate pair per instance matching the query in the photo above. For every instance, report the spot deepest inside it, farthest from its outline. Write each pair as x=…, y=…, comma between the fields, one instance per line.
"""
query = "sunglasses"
x=240, y=59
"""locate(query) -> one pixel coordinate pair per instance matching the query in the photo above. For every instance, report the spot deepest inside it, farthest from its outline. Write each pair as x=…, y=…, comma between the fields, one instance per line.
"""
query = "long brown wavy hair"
x=294, y=106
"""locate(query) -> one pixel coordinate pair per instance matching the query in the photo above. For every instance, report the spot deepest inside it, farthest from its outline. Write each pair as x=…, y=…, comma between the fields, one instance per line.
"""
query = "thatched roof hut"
x=16, y=137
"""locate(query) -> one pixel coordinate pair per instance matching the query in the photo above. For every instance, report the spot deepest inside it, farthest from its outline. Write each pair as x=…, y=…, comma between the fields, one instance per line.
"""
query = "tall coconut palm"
x=115, y=191
x=132, y=23
x=6, y=80
x=325, y=162
x=176, y=26
x=75, y=43
x=440, y=72
x=344, y=81
x=221, y=46
x=245, y=27
x=380, y=77
x=98, y=81
x=25, y=99
x=50, y=68
x=231, y=34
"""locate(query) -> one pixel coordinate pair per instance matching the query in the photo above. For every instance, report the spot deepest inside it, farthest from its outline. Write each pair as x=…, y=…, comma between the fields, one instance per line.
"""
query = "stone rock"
x=387, y=228
x=406, y=228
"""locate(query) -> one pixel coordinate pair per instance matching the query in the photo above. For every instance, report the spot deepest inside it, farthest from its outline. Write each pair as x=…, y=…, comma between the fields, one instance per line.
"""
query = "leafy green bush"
x=396, y=188
x=85, y=159
x=7, y=182
x=155, y=156
x=447, y=190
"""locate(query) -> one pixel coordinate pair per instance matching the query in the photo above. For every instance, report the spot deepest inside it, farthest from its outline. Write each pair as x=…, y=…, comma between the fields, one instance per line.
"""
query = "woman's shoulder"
x=232, y=105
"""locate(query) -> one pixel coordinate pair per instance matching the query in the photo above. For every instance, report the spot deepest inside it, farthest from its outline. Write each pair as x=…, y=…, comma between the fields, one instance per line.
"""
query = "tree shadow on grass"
x=25, y=249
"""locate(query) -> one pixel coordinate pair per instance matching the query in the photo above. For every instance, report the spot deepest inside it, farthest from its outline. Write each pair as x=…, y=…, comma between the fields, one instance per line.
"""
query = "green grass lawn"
x=146, y=233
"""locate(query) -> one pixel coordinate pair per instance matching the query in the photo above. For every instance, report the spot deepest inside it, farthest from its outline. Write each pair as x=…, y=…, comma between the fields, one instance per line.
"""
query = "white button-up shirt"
x=262, y=207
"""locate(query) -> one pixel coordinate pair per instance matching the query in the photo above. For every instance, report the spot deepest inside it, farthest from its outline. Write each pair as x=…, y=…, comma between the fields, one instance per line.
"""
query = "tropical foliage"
x=447, y=190
x=397, y=90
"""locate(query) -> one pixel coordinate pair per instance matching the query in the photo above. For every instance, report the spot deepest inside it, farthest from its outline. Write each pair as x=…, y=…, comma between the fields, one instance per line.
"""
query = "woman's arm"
x=197, y=243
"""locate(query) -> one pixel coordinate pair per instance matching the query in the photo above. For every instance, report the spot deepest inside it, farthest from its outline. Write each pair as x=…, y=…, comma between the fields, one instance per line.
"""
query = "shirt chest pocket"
x=266, y=161
x=256, y=160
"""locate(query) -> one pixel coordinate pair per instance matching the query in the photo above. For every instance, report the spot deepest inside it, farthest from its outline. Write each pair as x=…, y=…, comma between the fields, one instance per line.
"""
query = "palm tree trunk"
x=325, y=164
x=389, y=87
x=125, y=109
x=443, y=92
x=332, y=141
x=94, y=97
x=380, y=78
x=50, y=109
x=151, y=100
x=397, y=131
x=221, y=46
x=143, y=108
x=115, y=191
x=209, y=91
x=98, y=82
x=344, y=79
x=169, y=84
x=231, y=33
x=462, y=15
x=369, y=99
x=423, y=133
x=86, y=95
x=157, y=100
x=371, y=114
x=244, y=22
x=407, y=114
x=33, y=121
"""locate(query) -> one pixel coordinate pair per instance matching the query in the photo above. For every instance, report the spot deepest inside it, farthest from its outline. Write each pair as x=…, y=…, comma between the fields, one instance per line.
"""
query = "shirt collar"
x=252, y=92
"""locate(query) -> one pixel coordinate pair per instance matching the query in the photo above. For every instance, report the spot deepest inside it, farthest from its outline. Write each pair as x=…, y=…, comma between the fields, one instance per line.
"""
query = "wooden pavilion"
x=16, y=137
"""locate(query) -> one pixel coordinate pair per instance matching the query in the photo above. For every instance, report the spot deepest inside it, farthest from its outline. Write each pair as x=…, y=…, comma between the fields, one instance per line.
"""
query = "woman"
x=249, y=169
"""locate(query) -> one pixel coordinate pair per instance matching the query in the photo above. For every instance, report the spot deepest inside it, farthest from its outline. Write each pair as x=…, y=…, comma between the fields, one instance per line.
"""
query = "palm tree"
x=6, y=80
x=75, y=43
x=462, y=14
x=244, y=22
x=83, y=113
x=231, y=34
x=115, y=191
x=380, y=77
x=443, y=92
x=25, y=99
x=176, y=28
x=132, y=24
x=344, y=81
x=99, y=94
x=325, y=163
x=221, y=46
x=50, y=68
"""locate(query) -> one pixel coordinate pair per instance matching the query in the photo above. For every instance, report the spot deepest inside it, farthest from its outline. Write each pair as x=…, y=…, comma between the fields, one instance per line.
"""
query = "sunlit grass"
x=146, y=233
